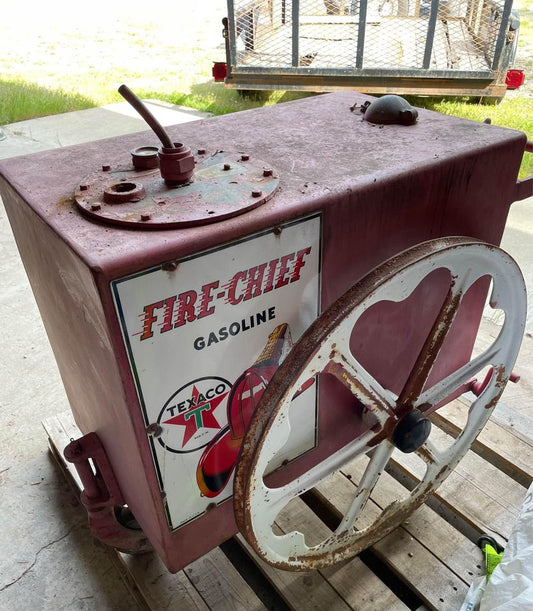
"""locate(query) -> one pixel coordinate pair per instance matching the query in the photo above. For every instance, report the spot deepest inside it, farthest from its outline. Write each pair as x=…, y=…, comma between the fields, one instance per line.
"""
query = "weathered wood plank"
x=434, y=577
x=159, y=589
x=517, y=423
x=434, y=533
x=211, y=582
x=308, y=590
x=356, y=583
x=476, y=492
x=361, y=588
x=349, y=585
x=511, y=453
x=220, y=585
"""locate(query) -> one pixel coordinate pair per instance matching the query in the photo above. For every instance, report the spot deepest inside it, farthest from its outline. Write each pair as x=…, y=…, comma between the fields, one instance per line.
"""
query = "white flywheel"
x=399, y=419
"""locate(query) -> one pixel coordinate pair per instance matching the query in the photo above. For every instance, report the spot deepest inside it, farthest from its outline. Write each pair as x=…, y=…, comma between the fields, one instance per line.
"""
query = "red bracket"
x=101, y=495
x=524, y=187
x=478, y=387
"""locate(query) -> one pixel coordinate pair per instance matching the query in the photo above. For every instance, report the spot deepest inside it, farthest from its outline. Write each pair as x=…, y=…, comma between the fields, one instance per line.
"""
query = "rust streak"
x=422, y=368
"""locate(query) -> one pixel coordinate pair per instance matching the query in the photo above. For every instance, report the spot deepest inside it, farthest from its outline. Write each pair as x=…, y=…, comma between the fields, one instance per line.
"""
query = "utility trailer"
x=417, y=47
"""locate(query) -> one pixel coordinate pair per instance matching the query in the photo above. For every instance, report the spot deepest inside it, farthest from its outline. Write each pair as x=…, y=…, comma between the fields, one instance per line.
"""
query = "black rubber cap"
x=411, y=432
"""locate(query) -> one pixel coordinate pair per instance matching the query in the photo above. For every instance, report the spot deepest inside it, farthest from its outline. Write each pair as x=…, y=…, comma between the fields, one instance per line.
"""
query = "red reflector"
x=514, y=79
x=220, y=70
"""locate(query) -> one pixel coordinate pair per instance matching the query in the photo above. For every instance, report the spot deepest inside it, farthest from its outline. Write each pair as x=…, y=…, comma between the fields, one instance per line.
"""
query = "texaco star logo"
x=194, y=414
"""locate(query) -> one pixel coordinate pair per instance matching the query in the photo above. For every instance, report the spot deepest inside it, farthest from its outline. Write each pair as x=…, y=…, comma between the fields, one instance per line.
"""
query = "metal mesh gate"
x=371, y=37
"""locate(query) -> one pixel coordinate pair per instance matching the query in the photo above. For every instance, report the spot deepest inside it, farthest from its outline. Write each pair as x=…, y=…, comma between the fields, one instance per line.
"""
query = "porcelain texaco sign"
x=204, y=339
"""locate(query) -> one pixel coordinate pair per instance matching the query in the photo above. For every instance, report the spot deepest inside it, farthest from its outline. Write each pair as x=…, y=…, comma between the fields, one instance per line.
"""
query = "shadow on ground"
x=218, y=99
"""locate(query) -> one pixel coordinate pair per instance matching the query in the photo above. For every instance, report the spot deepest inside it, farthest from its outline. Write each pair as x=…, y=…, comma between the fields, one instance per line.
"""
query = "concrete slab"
x=49, y=560
x=518, y=242
x=87, y=125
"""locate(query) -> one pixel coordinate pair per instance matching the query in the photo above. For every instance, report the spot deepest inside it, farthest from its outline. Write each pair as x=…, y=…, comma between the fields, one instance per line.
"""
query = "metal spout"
x=154, y=124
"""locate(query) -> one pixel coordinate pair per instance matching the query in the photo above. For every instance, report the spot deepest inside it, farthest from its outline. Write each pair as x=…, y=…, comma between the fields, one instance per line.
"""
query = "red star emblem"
x=200, y=415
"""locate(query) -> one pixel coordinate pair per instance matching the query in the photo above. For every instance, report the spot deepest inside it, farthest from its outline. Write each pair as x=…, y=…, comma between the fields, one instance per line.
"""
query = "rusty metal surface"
x=176, y=164
x=145, y=157
x=317, y=352
x=147, y=115
x=281, y=388
x=390, y=109
x=380, y=190
x=421, y=370
x=101, y=495
x=300, y=144
x=224, y=185
x=403, y=85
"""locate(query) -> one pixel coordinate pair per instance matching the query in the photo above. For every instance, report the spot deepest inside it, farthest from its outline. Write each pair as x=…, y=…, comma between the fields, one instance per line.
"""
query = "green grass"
x=58, y=68
x=21, y=100
x=515, y=113
x=215, y=98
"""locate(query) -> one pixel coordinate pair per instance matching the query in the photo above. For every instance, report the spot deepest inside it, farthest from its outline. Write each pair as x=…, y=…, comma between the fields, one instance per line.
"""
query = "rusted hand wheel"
x=399, y=420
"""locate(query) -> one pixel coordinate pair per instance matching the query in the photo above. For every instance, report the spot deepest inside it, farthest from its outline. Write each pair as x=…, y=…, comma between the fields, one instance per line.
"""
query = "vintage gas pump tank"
x=172, y=299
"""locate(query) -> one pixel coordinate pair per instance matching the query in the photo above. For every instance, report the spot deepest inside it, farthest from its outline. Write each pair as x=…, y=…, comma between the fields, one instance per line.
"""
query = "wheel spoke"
x=374, y=469
x=465, y=261
x=429, y=454
x=419, y=375
x=438, y=393
x=277, y=498
x=365, y=387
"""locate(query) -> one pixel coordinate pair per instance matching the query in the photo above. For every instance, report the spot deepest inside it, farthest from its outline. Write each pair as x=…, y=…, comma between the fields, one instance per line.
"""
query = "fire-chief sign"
x=204, y=339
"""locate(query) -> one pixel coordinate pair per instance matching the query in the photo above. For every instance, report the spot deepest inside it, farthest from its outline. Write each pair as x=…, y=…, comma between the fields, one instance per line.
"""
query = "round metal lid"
x=224, y=185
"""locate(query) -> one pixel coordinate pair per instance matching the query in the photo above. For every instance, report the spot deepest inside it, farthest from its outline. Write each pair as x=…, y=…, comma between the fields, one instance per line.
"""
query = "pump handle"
x=524, y=187
x=154, y=124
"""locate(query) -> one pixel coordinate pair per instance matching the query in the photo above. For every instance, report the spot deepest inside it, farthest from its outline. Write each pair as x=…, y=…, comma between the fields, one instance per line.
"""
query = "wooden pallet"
x=426, y=563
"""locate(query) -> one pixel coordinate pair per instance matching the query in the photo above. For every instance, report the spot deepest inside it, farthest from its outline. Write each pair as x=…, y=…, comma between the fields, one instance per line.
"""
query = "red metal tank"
x=152, y=329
